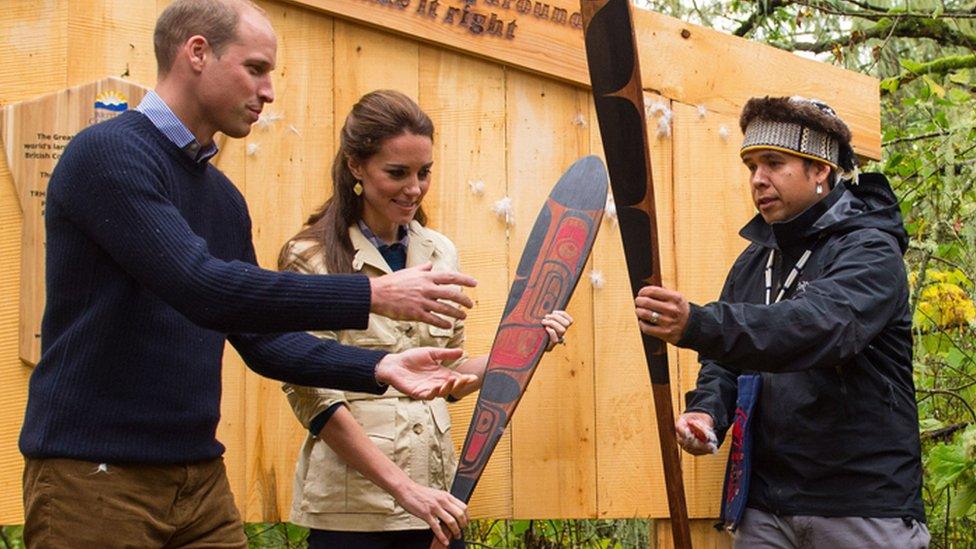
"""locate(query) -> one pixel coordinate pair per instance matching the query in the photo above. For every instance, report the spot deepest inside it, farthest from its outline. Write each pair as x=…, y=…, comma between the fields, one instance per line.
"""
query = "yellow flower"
x=943, y=304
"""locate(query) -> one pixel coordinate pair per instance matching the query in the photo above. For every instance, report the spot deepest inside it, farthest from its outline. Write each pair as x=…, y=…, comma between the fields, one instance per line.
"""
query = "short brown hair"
x=215, y=20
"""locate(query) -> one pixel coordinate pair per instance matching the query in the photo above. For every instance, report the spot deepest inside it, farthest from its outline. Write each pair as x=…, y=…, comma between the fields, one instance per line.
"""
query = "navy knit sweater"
x=150, y=268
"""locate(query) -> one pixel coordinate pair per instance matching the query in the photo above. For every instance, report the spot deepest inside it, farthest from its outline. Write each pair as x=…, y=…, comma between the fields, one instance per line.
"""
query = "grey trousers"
x=761, y=530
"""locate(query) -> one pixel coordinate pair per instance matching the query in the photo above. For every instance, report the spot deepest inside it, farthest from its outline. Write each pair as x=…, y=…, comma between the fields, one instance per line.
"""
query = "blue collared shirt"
x=159, y=113
x=395, y=254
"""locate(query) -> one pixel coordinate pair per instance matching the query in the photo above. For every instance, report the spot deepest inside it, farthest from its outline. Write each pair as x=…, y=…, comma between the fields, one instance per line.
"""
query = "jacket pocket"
x=443, y=464
x=436, y=336
x=381, y=335
x=432, y=336
x=378, y=419
x=438, y=332
x=379, y=338
x=324, y=486
x=441, y=415
x=376, y=338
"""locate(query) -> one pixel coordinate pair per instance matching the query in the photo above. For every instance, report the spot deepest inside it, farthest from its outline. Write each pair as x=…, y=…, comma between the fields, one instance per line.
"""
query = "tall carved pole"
x=611, y=53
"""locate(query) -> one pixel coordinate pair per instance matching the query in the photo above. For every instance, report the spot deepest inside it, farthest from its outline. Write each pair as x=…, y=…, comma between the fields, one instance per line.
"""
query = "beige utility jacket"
x=330, y=495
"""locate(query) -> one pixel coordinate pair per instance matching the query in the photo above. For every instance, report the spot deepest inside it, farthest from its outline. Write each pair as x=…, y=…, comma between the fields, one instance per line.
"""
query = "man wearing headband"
x=807, y=356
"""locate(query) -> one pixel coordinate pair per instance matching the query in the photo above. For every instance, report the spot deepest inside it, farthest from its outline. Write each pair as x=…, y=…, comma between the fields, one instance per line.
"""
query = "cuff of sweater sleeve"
x=363, y=293
x=359, y=370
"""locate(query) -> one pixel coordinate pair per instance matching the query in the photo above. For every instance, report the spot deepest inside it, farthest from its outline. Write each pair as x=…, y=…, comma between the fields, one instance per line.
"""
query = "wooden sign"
x=687, y=63
x=34, y=135
x=543, y=36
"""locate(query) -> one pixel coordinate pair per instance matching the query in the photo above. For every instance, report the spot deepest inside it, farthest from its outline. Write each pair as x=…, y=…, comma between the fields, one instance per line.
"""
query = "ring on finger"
x=654, y=317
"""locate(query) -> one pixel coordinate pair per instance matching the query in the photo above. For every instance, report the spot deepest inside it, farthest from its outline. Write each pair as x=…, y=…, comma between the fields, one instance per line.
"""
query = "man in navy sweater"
x=150, y=269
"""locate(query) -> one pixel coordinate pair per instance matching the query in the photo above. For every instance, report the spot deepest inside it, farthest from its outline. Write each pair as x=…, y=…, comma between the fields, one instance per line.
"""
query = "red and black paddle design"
x=611, y=55
x=547, y=274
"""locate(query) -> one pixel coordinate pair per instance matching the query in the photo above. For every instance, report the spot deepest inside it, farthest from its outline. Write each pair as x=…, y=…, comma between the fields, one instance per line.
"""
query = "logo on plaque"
x=111, y=101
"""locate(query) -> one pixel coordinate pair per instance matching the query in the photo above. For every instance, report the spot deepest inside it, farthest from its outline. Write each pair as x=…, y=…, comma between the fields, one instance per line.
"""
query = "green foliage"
x=546, y=534
x=11, y=537
x=502, y=534
x=275, y=535
x=922, y=53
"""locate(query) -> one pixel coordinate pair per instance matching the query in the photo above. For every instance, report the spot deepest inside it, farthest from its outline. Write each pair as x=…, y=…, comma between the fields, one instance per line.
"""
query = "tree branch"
x=876, y=12
x=763, y=8
x=868, y=6
x=944, y=433
x=931, y=392
x=902, y=27
x=910, y=138
x=940, y=66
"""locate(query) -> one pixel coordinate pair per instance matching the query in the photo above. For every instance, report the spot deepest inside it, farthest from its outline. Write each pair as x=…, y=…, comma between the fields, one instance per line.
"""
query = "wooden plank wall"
x=50, y=46
x=674, y=53
x=583, y=443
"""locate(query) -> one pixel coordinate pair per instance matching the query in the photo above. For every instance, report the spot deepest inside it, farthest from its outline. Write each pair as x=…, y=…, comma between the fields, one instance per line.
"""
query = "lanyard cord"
x=794, y=273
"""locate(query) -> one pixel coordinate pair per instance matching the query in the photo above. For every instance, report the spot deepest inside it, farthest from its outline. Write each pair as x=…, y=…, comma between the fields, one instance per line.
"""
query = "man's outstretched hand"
x=416, y=293
x=418, y=373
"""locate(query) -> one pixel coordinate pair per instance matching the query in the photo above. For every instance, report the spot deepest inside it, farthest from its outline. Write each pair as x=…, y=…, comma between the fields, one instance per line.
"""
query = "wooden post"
x=703, y=535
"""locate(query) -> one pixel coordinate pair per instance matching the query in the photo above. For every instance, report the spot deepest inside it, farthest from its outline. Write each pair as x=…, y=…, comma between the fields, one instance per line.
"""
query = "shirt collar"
x=166, y=121
x=403, y=236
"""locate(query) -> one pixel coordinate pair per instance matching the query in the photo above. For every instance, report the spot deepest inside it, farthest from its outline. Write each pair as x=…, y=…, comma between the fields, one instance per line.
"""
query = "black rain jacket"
x=836, y=431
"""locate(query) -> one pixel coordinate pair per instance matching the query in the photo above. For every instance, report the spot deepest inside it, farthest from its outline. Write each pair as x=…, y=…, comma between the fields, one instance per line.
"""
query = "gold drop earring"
x=358, y=188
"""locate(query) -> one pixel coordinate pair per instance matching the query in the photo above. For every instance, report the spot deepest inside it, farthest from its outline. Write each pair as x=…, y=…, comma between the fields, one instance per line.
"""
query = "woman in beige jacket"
x=373, y=469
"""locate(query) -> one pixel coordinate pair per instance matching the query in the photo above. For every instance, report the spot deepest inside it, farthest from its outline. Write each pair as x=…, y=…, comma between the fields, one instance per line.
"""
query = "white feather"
x=656, y=107
x=664, y=125
x=596, y=279
x=503, y=209
x=661, y=110
x=267, y=119
x=610, y=210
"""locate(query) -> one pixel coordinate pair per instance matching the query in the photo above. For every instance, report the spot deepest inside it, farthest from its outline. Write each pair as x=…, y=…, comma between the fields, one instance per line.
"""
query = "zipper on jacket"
x=843, y=391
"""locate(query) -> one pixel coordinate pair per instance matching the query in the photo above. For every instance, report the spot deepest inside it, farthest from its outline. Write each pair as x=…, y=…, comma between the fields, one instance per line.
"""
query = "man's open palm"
x=418, y=373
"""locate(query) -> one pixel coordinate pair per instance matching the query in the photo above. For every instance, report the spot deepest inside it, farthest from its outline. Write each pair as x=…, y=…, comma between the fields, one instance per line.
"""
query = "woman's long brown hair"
x=375, y=118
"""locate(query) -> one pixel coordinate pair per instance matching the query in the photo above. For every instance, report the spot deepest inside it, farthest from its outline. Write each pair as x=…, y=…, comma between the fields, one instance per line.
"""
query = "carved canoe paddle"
x=611, y=54
x=551, y=265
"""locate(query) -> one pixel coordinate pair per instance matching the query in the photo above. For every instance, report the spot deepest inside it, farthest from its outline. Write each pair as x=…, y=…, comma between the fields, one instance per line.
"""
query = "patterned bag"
x=736, y=489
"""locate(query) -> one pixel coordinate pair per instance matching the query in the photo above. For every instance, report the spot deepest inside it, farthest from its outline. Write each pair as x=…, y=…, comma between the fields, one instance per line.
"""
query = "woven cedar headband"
x=796, y=125
x=792, y=138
